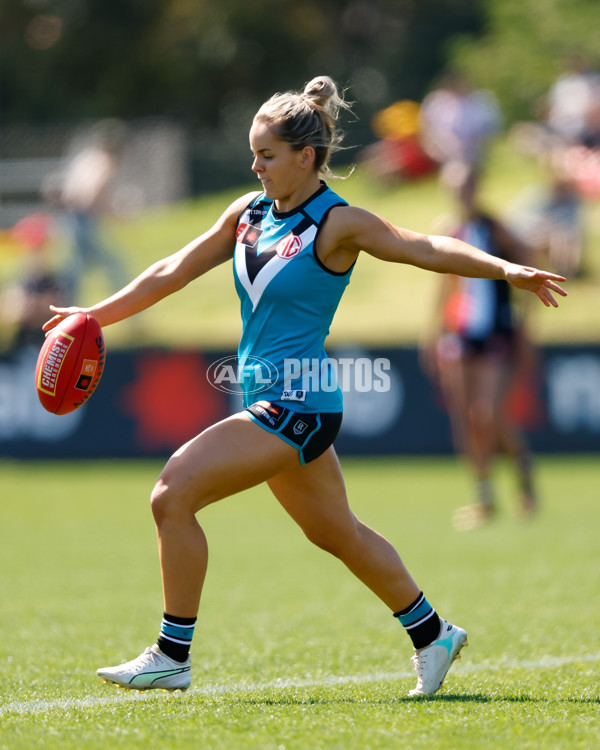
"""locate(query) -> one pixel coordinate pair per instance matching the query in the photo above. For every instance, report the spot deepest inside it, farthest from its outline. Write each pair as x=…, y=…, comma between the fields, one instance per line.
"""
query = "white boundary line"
x=69, y=704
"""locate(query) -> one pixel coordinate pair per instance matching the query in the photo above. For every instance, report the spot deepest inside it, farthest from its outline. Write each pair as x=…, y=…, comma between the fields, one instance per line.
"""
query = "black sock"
x=420, y=621
x=175, y=636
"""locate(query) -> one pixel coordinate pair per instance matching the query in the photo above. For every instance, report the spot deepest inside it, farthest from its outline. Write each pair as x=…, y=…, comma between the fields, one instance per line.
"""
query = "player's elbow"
x=172, y=274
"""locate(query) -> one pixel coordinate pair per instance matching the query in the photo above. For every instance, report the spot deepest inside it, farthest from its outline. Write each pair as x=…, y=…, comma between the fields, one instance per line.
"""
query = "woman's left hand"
x=541, y=283
x=60, y=313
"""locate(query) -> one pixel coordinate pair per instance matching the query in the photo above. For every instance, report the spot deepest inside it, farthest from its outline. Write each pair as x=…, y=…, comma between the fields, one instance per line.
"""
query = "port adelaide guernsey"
x=288, y=300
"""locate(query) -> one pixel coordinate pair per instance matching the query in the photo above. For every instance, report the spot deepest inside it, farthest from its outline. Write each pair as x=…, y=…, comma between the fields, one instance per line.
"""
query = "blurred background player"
x=84, y=193
x=565, y=138
x=476, y=344
x=458, y=121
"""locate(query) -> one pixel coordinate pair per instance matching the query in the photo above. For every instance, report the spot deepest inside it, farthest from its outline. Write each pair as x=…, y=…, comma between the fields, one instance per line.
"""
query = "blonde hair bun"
x=307, y=118
x=321, y=90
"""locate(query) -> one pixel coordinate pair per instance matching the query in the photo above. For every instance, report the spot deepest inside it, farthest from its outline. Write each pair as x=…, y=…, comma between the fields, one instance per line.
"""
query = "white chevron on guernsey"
x=269, y=271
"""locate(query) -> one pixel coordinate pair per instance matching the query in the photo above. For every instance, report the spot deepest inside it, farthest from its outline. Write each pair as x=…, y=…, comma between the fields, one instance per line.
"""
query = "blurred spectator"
x=24, y=303
x=550, y=219
x=457, y=121
x=474, y=349
x=83, y=191
x=566, y=139
x=398, y=154
x=573, y=103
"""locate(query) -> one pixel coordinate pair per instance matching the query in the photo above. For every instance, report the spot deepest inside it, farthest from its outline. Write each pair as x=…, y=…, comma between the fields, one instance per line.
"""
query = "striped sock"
x=176, y=635
x=485, y=493
x=420, y=621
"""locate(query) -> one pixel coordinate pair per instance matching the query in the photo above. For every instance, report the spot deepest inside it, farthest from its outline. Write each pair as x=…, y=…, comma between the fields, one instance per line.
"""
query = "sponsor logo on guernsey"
x=289, y=246
x=293, y=395
x=247, y=234
x=55, y=356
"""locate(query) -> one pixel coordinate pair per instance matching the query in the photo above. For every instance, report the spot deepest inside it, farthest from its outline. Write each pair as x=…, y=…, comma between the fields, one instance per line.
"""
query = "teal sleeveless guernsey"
x=288, y=300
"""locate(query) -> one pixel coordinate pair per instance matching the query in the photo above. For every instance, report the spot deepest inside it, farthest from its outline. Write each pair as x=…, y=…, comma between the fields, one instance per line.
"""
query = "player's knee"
x=320, y=539
x=337, y=541
x=482, y=416
x=174, y=498
x=164, y=501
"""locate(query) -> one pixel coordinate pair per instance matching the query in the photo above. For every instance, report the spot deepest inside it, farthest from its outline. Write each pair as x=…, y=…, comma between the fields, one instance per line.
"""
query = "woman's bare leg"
x=315, y=497
x=225, y=459
x=229, y=457
x=484, y=379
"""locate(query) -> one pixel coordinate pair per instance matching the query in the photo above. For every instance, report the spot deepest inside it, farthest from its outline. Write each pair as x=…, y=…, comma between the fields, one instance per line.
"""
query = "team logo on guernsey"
x=289, y=246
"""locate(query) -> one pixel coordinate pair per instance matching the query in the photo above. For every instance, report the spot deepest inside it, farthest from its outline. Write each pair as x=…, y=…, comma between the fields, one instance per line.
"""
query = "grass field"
x=290, y=651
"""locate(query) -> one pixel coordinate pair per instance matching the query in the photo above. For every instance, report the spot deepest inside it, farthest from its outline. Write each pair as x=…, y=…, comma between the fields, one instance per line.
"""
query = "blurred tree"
x=215, y=61
x=525, y=47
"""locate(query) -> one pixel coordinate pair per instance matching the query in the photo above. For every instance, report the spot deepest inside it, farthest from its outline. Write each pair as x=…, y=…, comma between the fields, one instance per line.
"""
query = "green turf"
x=290, y=651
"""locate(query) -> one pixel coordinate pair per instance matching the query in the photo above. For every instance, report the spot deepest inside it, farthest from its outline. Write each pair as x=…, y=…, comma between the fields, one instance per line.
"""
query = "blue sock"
x=420, y=621
x=176, y=635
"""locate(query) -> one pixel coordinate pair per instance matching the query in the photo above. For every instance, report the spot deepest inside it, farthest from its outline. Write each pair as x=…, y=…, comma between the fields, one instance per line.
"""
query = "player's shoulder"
x=347, y=217
x=346, y=227
x=241, y=203
x=236, y=208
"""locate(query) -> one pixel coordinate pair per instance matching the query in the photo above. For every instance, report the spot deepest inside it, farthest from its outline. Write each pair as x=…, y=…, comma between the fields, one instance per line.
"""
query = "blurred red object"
x=581, y=167
x=402, y=158
x=32, y=231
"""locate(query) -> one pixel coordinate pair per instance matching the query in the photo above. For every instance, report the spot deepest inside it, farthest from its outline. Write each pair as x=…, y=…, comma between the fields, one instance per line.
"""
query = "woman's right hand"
x=60, y=313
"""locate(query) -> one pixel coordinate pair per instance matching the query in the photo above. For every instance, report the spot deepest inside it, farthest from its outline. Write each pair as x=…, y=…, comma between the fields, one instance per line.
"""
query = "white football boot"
x=150, y=670
x=433, y=662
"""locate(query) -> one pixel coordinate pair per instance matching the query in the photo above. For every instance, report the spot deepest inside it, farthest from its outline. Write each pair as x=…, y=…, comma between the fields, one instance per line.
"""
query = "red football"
x=70, y=364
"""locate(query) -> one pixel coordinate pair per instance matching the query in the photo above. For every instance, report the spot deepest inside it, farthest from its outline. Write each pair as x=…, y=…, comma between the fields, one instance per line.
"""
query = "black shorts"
x=310, y=433
x=499, y=346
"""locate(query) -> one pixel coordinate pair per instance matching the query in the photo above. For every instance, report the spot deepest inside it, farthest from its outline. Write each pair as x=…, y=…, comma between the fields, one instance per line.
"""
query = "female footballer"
x=293, y=246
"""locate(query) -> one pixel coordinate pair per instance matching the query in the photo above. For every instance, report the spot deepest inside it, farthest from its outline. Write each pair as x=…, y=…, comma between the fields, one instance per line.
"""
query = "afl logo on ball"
x=289, y=246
